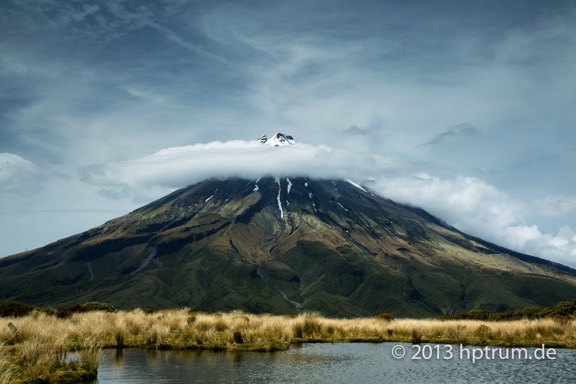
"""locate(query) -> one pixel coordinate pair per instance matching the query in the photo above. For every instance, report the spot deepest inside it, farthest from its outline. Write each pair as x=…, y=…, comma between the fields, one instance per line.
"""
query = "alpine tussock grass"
x=37, y=349
x=187, y=329
x=39, y=353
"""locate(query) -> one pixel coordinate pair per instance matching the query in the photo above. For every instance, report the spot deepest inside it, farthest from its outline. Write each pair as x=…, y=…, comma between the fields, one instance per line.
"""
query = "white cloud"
x=179, y=166
x=17, y=174
x=559, y=247
x=482, y=210
x=462, y=201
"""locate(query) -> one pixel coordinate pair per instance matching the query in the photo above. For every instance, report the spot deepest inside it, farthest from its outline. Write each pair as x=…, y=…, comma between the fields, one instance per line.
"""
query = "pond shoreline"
x=25, y=345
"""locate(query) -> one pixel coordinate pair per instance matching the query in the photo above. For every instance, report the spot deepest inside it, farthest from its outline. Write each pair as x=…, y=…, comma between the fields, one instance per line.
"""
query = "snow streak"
x=356, y=185
x=341, y=206
x=280, y=202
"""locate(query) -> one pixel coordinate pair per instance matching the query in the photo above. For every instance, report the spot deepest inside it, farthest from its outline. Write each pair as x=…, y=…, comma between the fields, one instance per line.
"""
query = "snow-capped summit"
x=278, y=140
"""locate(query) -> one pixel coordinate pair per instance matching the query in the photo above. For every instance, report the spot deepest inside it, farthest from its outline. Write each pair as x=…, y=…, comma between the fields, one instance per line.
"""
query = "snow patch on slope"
x=311, y=196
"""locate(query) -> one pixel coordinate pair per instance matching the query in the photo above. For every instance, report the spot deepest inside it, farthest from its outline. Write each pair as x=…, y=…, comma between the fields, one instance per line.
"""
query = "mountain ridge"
x=284, y=245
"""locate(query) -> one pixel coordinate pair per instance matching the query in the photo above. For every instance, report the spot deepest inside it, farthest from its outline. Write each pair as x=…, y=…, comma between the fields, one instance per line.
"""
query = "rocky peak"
x=278, y=140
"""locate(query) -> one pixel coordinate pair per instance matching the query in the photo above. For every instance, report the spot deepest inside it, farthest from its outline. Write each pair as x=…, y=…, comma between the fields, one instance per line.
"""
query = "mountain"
x=278, y=140
x=283, y=245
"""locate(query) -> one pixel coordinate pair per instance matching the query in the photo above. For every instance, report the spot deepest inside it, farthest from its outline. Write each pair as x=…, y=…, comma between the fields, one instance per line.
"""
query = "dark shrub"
x=565, y=309
x=48, y=311
x=97, y=306
x=503, y=316
x=14, y=308
x=66, y=311
x=385, y=316
x=475, y=314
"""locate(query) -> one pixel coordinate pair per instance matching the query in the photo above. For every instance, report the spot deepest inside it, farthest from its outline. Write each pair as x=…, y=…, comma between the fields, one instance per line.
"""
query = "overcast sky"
x=466, y=108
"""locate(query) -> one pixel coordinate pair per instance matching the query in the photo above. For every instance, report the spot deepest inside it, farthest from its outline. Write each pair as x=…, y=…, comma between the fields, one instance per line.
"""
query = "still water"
x=342, y=363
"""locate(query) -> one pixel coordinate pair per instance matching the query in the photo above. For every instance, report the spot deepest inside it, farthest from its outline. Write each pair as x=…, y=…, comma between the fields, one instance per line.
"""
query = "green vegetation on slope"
x=336, y=249
x=564, y=310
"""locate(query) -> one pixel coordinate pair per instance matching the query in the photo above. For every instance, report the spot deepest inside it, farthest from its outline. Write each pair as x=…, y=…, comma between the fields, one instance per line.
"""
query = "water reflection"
x=324, y=363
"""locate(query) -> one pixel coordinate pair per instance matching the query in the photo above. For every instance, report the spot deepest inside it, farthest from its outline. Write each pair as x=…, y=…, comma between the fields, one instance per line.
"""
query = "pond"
x=343, y=363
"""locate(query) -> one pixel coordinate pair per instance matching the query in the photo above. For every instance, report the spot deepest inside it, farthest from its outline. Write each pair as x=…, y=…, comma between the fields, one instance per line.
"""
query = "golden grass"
x=42, y=349
x=6, y=376
x=45, y=340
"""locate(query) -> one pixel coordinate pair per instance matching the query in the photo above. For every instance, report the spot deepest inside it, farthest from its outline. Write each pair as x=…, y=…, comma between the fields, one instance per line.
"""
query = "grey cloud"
x=355, y=130
x=555, y=206
x=458, y=130
x=115, y=193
